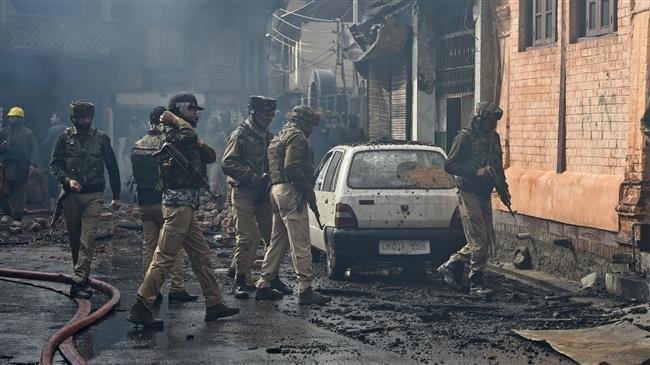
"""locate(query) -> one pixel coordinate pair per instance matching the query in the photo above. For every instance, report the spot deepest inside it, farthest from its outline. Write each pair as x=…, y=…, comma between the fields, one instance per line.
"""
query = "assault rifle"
x=314, y=209
x=57, y=210
x=500, y=186
x=182, y=162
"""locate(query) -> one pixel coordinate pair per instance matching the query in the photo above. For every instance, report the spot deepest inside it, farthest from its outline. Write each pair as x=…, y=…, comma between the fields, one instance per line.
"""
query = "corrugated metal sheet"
x=378, y=101
x=399, y=76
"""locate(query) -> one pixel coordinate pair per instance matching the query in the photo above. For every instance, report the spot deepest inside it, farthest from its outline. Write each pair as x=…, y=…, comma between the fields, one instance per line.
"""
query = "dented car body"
x=385, y=203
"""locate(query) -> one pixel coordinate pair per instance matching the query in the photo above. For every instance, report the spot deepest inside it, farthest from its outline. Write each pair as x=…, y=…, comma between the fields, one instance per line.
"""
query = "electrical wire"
x=313, y=62
x=307, y=17
x=302, y=43
x=292, y=46
x=300, y=28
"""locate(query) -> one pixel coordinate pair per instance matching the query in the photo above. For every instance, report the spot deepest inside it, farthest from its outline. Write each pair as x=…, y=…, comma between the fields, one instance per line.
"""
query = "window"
x=595, y=17
x=399, y=169
x=321, y=170
x=538, y=20
x=332, y=171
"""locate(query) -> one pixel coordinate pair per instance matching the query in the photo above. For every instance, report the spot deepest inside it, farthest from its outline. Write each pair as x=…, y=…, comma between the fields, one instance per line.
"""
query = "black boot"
x=181, y=296
x=79, y=291
x=278, y=285
x=267, y=294
x=477, y=287
x=219, y=311
x=452, y=272
x=309, y=296
x=141, y=314
x=241, y=289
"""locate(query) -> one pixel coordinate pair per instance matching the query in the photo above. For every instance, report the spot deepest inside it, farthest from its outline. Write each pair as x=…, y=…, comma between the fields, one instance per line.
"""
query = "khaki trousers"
x=290, y=231
x=13, y=200
x=181, y=230
x=81, y=213
x=152, y=222
x=253, y=222
x=476, y=215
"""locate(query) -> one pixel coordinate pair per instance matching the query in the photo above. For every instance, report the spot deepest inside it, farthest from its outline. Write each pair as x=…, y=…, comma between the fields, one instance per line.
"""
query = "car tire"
x=336, y=265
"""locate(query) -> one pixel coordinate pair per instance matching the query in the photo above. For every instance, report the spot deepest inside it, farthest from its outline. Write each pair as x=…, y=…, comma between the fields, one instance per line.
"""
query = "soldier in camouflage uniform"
x=474, y=149
x=149, y=197
x=245, y=163
x=291, y=165
x=80, y=155
x=181, y=229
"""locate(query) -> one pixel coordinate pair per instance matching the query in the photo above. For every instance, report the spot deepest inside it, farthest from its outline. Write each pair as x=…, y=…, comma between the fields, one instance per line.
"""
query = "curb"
x=536, y=278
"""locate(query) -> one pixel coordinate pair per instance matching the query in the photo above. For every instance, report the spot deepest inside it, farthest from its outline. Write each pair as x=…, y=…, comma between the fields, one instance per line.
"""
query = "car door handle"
x=326, y=201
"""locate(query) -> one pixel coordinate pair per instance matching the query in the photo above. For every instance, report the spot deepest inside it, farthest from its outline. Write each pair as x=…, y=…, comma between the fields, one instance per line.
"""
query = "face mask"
x=190, y=116
x=81, y=127
x=14, y=121
x=262, y=120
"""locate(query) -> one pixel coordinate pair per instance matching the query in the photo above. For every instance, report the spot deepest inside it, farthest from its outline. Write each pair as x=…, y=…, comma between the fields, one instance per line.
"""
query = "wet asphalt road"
x=376, y=316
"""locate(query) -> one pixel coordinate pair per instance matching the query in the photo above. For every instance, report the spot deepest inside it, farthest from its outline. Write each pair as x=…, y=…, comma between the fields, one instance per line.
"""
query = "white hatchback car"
x=388, y=202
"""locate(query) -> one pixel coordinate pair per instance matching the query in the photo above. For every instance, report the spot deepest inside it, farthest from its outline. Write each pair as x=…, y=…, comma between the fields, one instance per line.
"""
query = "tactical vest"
x=144, y=164
x=485, y=150
x=277, y=152
x=252, y=148
x=85, y=163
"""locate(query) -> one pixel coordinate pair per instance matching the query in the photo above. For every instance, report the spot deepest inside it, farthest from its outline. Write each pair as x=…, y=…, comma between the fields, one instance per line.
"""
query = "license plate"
x=403, y=247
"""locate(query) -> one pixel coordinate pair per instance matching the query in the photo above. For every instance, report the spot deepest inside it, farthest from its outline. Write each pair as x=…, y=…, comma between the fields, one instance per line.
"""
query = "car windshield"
x=399, y=169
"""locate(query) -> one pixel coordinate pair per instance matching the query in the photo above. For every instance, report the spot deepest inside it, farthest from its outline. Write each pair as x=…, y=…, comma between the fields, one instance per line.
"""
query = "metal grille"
x=378, y=102
x=440, y=140
x=28, y=32
x=398, y=101
x=456, y=61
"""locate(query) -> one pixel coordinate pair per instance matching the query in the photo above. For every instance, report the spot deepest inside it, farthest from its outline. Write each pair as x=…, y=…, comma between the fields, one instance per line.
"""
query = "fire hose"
x=81, y=320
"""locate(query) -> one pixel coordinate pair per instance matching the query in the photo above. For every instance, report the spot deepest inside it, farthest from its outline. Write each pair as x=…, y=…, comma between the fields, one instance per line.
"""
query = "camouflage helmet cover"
x=260, y=103
x=488, y=110
x=306, y=113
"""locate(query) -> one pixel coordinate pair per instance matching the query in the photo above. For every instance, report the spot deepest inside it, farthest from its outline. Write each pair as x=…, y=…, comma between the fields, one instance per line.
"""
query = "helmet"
x=258, y=103
x=80, y=109
x=305, y=113
x=16, y=112
x=154, y=115
x=488, y=110
x=182, y=99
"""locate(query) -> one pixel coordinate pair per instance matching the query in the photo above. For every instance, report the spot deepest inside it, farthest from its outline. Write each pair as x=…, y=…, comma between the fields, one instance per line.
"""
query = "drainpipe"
x=561, y=130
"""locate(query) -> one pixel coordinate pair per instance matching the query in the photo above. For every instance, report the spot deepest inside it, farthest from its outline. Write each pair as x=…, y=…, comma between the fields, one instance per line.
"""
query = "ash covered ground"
x=415, y=318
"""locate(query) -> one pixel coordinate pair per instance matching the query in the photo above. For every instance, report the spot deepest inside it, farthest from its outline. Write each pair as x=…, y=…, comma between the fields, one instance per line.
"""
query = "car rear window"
x=399, y=169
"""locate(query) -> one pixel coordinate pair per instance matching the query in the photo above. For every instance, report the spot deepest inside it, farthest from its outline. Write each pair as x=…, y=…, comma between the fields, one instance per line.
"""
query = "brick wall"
x=598, y=105
x=597, y=98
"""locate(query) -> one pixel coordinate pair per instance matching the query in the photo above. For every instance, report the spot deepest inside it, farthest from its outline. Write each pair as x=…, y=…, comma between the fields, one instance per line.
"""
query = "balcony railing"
x=41, y=34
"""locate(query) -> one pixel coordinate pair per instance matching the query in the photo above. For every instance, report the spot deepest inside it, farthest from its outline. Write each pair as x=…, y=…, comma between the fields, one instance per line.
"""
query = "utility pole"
x=339, y=56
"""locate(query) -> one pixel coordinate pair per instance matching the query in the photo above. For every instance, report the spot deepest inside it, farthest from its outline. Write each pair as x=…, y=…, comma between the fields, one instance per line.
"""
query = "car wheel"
x=336, y=266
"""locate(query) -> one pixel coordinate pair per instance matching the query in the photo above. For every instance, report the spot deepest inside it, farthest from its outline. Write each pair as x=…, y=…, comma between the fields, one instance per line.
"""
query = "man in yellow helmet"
x=20, y=155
